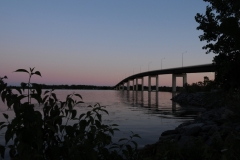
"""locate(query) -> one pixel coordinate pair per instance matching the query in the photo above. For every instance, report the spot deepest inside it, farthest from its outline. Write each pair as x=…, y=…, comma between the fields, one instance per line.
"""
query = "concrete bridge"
x=176, y=72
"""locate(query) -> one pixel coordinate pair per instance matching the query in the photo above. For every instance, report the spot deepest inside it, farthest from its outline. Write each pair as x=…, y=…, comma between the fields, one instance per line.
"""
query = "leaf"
x=52, y=128
x=38, y=88
x=80, y=117
x=37, y=97
x=22, y=70
x=99, y=116
x=4, y=96
x=79, y=102
x=135, y=144
x=69, y=131
x=46, y=92
x=136, y=135
x=54, y=96
x=78, y=95
x=74, y=113
x=31, y=69
x=19, y=90
x=98, y=123
x=8, y=135
x=38, y=73
x=122, y=139
x=66, y=112
x=2, y=151
x=5, y=77
x=44, y=99
x=5, y=115
x=19, y=98
x=23, y=85
x=3, y=126
x=111, y=131
x=129, y=148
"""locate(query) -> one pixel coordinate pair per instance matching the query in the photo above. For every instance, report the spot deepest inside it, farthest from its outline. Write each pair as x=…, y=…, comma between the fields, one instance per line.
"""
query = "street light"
x=148, y=65
x=182, y=57
x=161, y=62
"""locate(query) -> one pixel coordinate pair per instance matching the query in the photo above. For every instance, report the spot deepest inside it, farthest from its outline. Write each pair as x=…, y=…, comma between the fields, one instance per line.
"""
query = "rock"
x=170, y=137
x=193, y=125
x=169, y=132
x=190, y=98
x=185, y=139
x=206, y=128
x=194, y=131
x=213, y=130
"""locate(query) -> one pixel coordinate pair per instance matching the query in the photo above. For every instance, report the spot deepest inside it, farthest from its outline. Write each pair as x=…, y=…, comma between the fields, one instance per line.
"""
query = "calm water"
x=148, y=114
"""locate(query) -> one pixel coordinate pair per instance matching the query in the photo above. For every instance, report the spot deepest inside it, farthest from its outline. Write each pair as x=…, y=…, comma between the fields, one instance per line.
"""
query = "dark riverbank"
x=213, y=134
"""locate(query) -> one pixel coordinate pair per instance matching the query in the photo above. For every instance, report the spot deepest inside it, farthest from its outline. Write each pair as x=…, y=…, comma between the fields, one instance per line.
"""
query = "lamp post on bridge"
x=161, y=62
x=148, y=65
x=182, y=57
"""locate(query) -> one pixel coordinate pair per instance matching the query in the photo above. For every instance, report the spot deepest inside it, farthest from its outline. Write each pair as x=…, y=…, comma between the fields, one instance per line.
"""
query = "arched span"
x=179, y=70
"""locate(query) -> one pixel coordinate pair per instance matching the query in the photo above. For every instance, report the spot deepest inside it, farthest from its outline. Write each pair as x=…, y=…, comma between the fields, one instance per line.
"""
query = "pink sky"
x=99, y=42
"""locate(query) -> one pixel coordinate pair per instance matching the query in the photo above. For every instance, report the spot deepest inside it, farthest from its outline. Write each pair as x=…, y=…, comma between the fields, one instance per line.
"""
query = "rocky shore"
x=211, y=125
x=206, y=100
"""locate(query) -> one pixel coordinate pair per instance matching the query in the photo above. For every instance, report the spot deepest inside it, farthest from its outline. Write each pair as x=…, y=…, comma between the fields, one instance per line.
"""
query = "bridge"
x=176, y=72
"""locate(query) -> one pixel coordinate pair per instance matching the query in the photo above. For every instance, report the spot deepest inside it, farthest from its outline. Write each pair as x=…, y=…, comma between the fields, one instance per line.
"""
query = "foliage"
x=221, y=31
x=49, y=135
x=226, y=147
x=205, y=86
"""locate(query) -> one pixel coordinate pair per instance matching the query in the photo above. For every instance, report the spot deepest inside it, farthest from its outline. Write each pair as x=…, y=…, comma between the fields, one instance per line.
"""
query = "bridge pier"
x=136, y=84
x=128, y=87
x=149, y=83
x=133, y=84
x=174, y=76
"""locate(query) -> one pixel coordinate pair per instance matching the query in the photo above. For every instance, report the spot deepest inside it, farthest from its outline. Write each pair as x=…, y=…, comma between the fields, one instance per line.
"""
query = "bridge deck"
x=179, y=70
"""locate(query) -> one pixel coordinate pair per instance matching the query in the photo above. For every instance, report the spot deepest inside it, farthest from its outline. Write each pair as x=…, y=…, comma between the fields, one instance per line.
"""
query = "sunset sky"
x=99, y=42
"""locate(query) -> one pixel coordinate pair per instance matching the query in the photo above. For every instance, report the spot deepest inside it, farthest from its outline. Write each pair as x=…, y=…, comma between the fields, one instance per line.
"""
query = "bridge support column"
x=136, y=84
x=128, y=87
x=123, y=87
x=184, y=79
x=156, y=83
x=133, y=84
x=149, y=84
x=142, y=85
x=174, y=76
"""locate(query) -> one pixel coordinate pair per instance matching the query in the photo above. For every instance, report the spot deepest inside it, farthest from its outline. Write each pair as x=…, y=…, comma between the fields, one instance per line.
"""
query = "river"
x=145, y=113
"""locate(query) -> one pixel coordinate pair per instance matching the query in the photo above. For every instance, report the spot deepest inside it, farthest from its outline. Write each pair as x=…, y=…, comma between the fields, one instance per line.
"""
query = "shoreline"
x=211, y=125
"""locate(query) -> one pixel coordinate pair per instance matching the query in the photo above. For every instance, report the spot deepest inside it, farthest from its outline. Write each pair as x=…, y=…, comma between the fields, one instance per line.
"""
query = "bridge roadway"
x=176, y=72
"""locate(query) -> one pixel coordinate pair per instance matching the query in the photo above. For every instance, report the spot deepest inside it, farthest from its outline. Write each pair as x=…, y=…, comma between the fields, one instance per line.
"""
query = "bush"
x=205, y=86
x=48, y=135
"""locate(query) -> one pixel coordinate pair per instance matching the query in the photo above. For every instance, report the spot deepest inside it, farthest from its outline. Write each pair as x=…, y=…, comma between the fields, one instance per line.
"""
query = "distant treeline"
x=87, y=87
x=92, y=87
x=162, y=88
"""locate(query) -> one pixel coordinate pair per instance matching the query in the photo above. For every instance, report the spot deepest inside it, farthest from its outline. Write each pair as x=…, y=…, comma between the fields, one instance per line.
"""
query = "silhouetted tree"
x=221, y=30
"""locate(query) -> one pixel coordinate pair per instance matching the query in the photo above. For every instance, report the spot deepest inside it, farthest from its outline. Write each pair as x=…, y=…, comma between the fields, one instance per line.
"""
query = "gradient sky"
x=99, y=42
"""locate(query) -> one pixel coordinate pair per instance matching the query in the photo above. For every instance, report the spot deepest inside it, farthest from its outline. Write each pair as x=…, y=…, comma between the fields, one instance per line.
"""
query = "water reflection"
x=145, y=113
x=160, y=103
x=149, y=99
x=174, y=104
